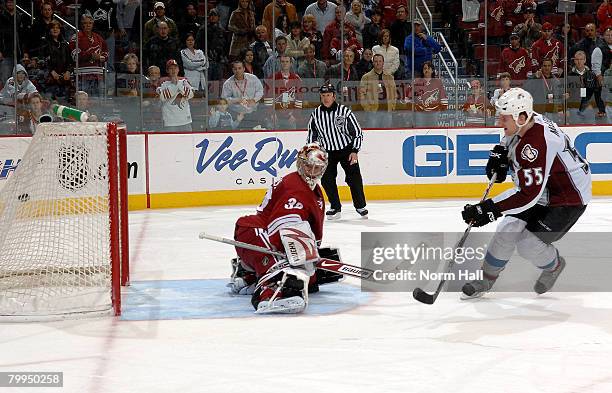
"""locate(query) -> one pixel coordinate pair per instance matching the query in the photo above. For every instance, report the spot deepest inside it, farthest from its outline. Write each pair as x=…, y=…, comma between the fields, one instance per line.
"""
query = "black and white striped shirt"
x=335, y=128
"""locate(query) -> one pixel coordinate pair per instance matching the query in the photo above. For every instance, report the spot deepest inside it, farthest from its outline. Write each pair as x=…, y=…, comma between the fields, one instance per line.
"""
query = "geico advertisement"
x=459, y=154
x=13, y=149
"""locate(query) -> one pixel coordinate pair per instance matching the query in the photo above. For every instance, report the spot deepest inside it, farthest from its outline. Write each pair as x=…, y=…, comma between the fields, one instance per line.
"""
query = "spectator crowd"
x=259, y=64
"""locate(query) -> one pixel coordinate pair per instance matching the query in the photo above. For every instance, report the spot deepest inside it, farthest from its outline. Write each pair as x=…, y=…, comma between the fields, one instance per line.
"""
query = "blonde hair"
x=309, y=17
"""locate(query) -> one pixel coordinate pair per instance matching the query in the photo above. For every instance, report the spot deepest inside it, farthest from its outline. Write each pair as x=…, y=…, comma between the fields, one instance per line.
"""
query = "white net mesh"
x=54, y=220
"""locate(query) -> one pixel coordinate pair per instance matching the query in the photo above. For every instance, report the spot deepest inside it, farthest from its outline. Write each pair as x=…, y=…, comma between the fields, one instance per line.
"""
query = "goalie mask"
x=311, y=164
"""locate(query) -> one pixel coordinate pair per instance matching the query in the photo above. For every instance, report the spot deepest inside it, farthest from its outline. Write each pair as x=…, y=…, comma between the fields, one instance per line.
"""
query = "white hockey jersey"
x=547, y=170
x=175, y=102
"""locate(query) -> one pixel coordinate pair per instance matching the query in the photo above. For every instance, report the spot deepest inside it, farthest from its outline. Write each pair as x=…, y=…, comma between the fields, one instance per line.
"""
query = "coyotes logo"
x=518, y=64
x=553, y=54
x=429, y=99
x=497, y=13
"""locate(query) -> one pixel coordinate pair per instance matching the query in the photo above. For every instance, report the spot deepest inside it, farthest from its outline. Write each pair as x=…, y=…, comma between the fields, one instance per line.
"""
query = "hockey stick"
x=428, y=298
x=323, y=263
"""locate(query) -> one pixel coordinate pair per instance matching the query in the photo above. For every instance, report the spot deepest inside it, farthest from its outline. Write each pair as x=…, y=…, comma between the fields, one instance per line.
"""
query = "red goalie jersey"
x=287, y=202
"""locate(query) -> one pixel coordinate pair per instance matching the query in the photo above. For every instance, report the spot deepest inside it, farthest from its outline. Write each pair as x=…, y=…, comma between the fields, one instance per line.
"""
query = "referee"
x=335, y=128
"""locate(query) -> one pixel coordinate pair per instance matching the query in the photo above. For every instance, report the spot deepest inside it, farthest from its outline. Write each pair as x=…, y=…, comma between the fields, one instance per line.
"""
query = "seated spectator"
x=243, y=92
x=153, y=78
x=296, y=41
x=81, y=99
x=215, y=45
x=424, y=48
x=332, y=30
x=365, y=64
x=342, y=74
x=190, y=22
x=604, y=16
x=162, y=48
x=377, y=95
x=274, y=10
x=59, y=64
x=247, y=57
x=221, y=119
x=547, y=92
x=529, y=31
x=174, y=94
x=261, y=48
x=90, y=58
x=350, y=42
x=242, y=25
x=273, y=63
x=582, y=85
x=388, y=51
x=429, y=97
x=128, y=77
x=282, y=26
x=311, y=67
x=548, y=47
x=390, y=9
x=151, y=26
x=17, y=87
x=30, y=118
x=283, y=96
x=497, y=21
x=104, y=14
x=516, y=61
x=309, y=30
x=504, y=85
x=357, y=19
x=371, y=31
x=476, y=107
x=324, y=12
x=514, y=10
x=195, y=64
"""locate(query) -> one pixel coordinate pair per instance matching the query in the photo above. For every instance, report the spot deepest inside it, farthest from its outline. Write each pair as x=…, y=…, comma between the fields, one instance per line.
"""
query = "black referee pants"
x=353, y=179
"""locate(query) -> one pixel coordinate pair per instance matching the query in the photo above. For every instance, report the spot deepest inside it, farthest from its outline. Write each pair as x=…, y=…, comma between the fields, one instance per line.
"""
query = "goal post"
x=63, y=212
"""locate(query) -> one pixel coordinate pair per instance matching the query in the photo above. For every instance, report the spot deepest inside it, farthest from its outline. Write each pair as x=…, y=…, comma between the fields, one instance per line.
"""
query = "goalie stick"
x=430, y=298
x=323, y=263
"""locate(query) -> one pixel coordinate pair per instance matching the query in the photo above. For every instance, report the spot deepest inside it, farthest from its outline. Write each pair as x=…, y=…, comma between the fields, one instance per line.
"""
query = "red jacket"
x=604, y=17
x=517, y=63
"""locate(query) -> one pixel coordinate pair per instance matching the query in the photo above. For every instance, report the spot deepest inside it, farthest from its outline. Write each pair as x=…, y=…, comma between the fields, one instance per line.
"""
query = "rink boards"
x=219, y=168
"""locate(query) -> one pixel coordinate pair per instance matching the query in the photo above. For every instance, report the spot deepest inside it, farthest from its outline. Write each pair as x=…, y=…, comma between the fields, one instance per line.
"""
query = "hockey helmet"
x=311, y=163
x=514, y=102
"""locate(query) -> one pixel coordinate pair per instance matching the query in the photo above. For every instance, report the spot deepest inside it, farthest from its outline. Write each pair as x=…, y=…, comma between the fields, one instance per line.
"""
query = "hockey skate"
x=333, y=214
x=477, y=288
x=284, y=296
x=363, y=213
x=548, y=278
x=242, y=281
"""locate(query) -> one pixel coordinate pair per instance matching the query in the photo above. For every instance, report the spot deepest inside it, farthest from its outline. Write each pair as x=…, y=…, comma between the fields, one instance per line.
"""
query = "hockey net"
x=64, y=224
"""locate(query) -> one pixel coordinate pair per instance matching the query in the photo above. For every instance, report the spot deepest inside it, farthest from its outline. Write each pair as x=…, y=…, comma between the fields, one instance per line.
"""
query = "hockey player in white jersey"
x=553, y=187
x=175, y=94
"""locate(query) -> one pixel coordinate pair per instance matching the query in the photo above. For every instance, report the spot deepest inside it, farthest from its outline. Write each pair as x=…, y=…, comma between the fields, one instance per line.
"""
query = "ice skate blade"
x=473, y=297
x=291, y=305
x=333, y=217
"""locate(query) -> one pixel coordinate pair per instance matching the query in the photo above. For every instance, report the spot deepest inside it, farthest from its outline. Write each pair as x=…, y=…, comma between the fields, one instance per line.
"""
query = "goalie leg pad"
x=282, y=294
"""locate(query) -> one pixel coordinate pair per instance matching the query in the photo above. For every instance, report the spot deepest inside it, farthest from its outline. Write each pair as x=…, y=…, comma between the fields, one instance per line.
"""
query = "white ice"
x=554, y=343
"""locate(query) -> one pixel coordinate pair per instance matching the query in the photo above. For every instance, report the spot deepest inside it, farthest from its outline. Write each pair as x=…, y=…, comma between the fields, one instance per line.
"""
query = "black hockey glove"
x=498, y=163
x=480, y=214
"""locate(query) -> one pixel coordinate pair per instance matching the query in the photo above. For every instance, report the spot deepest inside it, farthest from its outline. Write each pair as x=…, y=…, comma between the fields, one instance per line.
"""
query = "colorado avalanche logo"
x=518, y=64
x=529, y=153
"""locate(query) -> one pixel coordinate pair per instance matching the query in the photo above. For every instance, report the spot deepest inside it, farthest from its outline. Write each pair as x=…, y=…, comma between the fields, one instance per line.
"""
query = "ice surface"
x=386, y=343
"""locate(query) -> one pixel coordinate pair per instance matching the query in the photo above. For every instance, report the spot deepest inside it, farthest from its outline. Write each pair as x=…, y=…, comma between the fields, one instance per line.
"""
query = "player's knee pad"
x=535, y=250
x=505, y=238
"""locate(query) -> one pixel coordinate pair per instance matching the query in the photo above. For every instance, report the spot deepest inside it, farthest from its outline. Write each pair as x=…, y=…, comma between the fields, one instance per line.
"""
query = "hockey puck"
x=24, y=197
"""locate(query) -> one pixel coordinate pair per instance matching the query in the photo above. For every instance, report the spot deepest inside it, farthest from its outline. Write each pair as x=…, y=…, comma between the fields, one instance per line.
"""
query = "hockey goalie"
x=290, y=220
